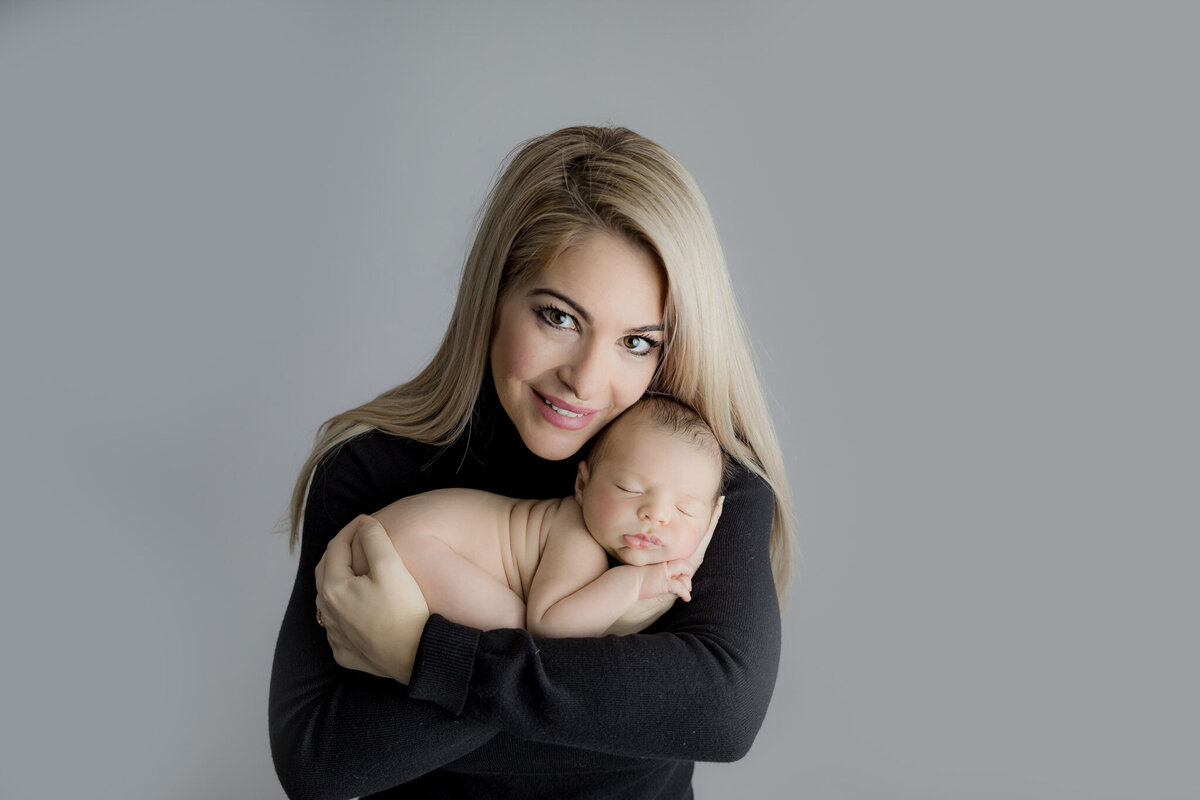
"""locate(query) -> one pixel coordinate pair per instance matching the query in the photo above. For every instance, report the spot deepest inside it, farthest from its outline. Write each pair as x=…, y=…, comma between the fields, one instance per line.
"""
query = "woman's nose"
x=584, y=372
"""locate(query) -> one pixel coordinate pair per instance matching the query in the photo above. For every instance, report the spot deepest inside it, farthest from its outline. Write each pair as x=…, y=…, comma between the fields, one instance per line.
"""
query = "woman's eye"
x=639, y=345
x=557, y=318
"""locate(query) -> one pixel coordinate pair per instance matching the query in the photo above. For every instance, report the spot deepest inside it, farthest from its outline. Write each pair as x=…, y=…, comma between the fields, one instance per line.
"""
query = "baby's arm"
x=575, y=594
x=641, y=615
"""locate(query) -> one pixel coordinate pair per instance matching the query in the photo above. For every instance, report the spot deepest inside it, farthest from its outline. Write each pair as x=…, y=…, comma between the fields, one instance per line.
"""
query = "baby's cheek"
x=686, y=545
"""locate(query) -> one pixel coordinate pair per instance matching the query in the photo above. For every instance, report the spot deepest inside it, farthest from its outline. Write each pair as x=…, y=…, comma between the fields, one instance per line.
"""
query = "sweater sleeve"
x=695, y=686
x=337, y=733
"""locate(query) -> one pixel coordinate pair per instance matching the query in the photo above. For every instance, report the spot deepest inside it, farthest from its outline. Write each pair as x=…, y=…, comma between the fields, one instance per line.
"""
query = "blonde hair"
x=555, y=190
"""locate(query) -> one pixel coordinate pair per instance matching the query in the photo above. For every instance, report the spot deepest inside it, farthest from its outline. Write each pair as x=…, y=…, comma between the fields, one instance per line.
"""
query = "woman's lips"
x=641, y=541
x=562, y=414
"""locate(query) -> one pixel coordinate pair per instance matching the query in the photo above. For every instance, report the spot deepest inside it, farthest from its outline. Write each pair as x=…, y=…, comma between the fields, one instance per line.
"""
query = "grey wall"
x=964, y=238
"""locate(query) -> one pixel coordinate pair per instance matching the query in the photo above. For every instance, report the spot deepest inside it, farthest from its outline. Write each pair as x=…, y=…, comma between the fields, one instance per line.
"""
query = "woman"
x=595, y=275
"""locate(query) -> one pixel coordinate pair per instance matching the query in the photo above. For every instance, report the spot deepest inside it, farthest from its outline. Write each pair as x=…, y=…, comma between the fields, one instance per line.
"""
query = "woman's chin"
x=556, y=442
x=554, y=445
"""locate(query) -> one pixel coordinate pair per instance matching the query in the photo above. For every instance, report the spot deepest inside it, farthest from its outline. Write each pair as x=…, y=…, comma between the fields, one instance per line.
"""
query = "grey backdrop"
x=963, y=236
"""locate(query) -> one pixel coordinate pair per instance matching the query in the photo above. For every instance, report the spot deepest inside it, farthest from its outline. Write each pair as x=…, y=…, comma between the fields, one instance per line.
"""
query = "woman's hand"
x=373, y=621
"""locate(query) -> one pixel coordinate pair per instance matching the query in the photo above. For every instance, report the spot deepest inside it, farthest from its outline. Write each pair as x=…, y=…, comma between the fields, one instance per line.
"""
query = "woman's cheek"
x=635, y=386
x=514, y=353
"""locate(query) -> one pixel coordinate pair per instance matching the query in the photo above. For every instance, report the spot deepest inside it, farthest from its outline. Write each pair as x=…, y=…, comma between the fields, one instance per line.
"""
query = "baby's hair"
x=676, y=419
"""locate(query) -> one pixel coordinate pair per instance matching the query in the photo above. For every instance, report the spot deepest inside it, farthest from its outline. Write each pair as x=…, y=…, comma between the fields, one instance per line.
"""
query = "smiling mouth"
x=563, y=408
x=563, y=411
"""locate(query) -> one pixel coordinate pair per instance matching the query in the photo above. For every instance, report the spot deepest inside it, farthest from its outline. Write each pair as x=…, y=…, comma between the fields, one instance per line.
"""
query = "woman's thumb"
x=375, y=542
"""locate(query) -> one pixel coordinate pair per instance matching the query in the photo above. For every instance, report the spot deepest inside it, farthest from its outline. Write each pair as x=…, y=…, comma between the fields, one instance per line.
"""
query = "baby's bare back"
x=499, y=535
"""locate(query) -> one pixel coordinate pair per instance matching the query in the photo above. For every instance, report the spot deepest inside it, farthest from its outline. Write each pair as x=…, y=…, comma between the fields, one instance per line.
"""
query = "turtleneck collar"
x=490, y=455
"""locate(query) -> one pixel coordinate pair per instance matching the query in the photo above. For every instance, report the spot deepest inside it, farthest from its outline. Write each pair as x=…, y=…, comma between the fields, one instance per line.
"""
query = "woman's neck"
x=491, y=456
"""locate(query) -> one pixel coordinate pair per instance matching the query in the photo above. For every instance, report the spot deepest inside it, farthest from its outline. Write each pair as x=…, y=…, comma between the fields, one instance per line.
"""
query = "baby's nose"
x=656, y=514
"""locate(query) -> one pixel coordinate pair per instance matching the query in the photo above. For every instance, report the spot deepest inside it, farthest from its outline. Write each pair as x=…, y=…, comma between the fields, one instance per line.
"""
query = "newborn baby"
x=648, y=496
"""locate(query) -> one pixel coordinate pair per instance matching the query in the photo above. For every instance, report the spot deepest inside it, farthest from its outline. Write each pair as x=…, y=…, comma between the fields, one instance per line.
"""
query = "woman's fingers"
x=332, y=573
x=345, y=652
x=376, y=545
x=373, y=621
x=336, y=561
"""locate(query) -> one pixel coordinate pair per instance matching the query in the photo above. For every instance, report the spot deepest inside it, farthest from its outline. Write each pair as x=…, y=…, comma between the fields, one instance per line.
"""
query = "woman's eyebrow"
x=575, y=306
x=583, y=311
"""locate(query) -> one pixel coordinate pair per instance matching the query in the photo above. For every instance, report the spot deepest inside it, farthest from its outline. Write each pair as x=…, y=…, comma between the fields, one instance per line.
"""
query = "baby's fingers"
x=681, y=587
x=681, y=566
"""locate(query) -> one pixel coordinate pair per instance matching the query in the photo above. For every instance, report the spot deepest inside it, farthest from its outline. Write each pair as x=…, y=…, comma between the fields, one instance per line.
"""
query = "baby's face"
x=651, y=496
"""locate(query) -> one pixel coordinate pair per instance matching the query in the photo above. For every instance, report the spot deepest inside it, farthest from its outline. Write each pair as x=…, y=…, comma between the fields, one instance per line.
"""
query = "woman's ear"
x=581, y=479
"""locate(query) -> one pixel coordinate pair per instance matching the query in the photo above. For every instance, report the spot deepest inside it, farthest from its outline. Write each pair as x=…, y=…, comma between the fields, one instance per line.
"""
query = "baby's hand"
x=668, y=577
x=681, y=587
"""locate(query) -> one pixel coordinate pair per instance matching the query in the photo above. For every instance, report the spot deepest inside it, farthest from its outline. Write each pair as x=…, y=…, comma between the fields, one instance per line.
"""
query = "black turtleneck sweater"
x=499, y=713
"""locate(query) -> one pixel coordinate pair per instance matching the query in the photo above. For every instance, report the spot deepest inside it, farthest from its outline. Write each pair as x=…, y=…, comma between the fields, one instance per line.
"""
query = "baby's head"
x=651, y=483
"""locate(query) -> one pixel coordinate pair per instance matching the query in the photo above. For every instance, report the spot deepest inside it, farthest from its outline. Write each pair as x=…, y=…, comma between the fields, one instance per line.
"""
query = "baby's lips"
x=641, y=541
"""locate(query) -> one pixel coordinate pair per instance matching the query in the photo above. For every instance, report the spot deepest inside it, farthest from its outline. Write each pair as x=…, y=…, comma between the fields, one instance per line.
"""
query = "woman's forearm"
x=696, y=686
x=336, y=732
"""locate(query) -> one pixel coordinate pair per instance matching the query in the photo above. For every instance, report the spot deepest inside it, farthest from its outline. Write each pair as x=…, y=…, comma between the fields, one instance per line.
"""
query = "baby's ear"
x=720, y=504
x=581, y=479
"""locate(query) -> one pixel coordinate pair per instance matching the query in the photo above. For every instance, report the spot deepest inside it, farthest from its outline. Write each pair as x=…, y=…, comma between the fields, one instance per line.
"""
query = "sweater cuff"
x=444, y=663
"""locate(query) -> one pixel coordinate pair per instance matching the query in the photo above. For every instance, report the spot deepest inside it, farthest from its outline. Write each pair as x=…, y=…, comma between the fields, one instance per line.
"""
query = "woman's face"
x=579, y=343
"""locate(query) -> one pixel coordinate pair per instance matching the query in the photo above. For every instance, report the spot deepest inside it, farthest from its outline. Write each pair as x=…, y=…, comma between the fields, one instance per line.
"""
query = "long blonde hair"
x=555, y=190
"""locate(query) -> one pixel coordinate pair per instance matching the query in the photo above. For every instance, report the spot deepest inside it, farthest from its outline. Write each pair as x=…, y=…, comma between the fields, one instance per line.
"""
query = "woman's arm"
x=335, y=732
x=695, y=686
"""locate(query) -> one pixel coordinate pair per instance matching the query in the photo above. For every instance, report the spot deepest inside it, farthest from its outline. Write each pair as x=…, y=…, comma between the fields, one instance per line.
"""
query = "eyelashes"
x=558, y=319
x=688, y=512
x=639, y=345
x=554, y=317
